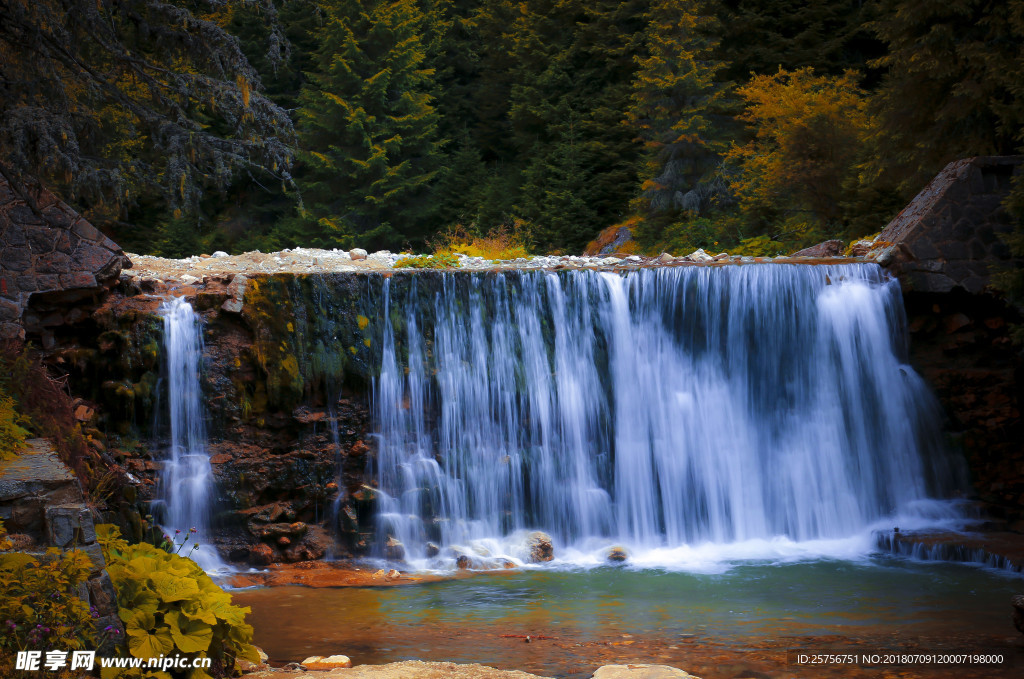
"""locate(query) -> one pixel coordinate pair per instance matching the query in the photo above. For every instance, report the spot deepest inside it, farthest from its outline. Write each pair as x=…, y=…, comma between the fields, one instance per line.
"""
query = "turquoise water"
x=750, y=615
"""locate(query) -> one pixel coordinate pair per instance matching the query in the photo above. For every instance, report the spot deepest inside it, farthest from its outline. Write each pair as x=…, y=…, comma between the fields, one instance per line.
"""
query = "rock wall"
x=949, y=236
x=944, y=247
x=49, y=258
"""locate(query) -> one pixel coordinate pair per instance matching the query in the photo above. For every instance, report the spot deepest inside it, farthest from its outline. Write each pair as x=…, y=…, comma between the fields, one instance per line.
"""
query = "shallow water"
x=713, y=625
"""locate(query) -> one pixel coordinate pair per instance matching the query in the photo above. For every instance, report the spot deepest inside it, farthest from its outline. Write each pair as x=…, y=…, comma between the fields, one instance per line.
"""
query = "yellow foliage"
x=808, y=133
x=502, y=242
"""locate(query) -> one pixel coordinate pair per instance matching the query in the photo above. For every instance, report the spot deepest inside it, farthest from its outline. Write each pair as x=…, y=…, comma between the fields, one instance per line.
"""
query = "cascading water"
x=658, y=409
x=186, y=480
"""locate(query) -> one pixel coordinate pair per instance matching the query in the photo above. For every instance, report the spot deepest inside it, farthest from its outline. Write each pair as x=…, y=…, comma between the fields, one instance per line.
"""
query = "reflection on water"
x=746, y=618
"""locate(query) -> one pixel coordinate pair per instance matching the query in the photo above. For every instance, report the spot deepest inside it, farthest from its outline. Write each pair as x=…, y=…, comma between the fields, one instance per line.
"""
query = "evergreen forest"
x=753, y=126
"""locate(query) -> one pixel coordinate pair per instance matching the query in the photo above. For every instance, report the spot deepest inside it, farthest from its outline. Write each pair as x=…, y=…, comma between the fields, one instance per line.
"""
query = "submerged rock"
x=618, y=554
x=539, y=547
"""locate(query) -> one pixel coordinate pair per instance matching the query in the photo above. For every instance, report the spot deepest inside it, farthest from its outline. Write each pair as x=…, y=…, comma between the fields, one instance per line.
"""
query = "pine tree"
x=575, y=62
x=761, y=36
x=953, y=86
x=367, y=127
x=675, y=101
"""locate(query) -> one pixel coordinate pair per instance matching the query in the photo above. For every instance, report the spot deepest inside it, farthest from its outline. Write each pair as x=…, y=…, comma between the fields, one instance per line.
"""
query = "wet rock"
x=639, y=671
x=357, y=253
x=330, y=662
x=617, y=554
x=539, y=548
x=432, y=550
x=1017, y=602
x=463, y=562
x=246, y=666
x=394, y=550
x=262, y=555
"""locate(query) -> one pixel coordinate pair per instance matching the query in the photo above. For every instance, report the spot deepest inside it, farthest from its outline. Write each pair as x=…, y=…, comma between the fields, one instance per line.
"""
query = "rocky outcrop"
x=950, y=235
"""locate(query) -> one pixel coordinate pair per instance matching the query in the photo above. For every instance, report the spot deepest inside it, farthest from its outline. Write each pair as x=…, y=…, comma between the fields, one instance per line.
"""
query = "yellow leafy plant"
x=39, y=606
x=170, y=607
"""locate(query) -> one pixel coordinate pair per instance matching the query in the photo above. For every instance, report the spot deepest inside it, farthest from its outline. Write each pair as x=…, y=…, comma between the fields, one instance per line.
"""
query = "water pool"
x=741, y=623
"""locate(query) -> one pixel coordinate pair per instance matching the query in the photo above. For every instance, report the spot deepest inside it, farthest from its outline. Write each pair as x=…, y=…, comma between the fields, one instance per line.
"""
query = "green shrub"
x=170, y=607
x=441, y=260
x=39, y=608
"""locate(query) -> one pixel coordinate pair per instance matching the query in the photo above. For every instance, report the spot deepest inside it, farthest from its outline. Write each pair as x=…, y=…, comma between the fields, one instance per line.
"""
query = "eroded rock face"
x=49, y=258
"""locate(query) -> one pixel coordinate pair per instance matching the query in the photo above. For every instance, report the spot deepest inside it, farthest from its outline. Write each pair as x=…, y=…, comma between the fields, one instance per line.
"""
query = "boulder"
x=640, y=671
x=829, y=248
x=699, y=256
x=394, y=550
x=618, y=554
x=330, y=662
x=432, y=550
x=357, y=253
x=539, y=548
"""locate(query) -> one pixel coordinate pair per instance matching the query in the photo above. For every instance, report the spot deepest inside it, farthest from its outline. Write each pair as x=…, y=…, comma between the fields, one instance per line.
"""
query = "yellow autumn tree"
x=808, y=133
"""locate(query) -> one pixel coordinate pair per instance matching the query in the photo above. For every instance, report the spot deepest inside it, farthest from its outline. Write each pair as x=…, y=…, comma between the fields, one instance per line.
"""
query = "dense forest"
x=184, y=126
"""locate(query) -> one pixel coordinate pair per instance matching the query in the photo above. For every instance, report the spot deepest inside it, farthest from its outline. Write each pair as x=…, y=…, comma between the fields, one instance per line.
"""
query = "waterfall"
x=656, y=409
x=186, y=479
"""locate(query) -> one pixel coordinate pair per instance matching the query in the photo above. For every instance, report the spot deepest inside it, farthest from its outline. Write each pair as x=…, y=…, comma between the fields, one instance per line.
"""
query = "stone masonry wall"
x=948, y=237
x=52, y=256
